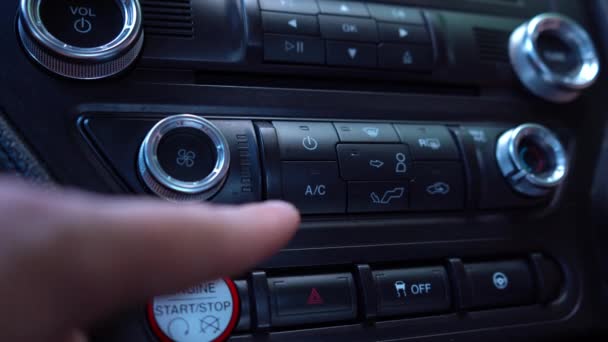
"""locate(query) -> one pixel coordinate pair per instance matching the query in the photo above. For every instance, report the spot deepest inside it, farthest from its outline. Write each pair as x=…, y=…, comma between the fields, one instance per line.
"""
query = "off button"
x=307, y=141
x=412, y=291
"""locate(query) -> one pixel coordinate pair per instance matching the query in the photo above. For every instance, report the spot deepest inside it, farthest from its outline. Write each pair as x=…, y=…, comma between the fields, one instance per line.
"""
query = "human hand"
x=68, y=258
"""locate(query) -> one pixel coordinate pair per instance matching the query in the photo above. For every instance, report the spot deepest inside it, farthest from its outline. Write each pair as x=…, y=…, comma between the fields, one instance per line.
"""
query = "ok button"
x=348, y=28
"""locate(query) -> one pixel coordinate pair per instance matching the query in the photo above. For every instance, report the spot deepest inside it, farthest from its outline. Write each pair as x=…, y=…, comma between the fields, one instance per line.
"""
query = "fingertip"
x=277, y=219
x=284, y=208
x=280, y=213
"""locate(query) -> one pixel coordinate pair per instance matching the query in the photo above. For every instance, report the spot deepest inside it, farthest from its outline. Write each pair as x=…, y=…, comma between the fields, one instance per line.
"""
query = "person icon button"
x=401, y=165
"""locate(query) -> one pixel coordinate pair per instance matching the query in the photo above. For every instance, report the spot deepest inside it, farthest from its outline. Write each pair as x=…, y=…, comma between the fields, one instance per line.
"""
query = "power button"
x=204, y=313
x=82, y=23
x=82, y=39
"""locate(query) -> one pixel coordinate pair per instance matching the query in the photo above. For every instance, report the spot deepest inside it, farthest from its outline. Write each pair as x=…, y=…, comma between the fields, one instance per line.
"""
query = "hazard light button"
x=203, y=313
x=312, y=299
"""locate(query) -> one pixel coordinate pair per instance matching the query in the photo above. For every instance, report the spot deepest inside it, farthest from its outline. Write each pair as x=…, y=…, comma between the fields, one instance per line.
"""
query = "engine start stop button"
x=204, y=313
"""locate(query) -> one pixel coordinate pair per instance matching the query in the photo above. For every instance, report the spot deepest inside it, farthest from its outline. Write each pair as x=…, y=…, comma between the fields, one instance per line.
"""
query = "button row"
x=395, y=37
x=310, y=50
x=404, y=292
x=344, y=28
x=380, y=12
x=317, y=141
x=369, y=167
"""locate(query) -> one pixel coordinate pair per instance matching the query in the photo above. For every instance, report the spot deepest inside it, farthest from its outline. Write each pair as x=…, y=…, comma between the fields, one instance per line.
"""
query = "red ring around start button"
x=207, y=312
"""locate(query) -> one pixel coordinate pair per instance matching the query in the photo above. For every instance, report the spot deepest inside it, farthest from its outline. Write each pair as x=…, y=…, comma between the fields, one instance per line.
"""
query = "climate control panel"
x=345, y=167
x=335, y=167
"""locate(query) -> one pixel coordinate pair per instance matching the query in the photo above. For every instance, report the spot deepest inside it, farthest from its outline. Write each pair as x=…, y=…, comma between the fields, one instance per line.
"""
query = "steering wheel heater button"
x=498, y=284
x=203, y=313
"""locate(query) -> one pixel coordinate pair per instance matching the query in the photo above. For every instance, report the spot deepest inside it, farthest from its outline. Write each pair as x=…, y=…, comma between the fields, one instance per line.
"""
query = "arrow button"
x=403, y=33
x=351, y=54
x=290, y=23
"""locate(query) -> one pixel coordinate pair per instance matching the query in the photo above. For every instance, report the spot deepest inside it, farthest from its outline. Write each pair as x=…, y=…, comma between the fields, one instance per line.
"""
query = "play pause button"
x=351, y=54
x=293, y=49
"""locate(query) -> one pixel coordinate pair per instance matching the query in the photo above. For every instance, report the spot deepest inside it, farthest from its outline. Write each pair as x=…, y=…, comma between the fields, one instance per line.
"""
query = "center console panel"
x=442, y=173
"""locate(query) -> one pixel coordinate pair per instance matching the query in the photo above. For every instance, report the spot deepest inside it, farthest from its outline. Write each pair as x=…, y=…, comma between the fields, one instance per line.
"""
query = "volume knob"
x=82, y=39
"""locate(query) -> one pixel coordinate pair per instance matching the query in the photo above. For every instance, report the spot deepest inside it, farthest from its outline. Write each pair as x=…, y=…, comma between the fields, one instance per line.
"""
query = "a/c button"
x=412, y=291
x=314, y=187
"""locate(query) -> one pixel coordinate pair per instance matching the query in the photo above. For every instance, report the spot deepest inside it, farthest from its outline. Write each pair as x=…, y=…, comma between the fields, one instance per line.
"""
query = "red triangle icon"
x=314, y=298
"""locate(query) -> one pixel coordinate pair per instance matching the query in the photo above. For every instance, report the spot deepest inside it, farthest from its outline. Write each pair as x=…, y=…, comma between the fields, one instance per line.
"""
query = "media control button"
x=203, y=313
x=294, y=6
x=314, y=187
x=374, y=162
x=293, y=49
x=497, y=284
x=350, y=8
x=429, y=142
x=347, y=28
x=438, y=186
x=403, y=33
x=290, y=23
x=350, y=132
x=412, y=291
x=398, y=14
x=312, y=299
x=367, y=197
x=351, y=54
x=303, y=141
x=406, y=57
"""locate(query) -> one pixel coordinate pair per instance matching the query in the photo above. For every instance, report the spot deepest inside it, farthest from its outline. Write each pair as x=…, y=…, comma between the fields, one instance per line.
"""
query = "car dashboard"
x=448, y=157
